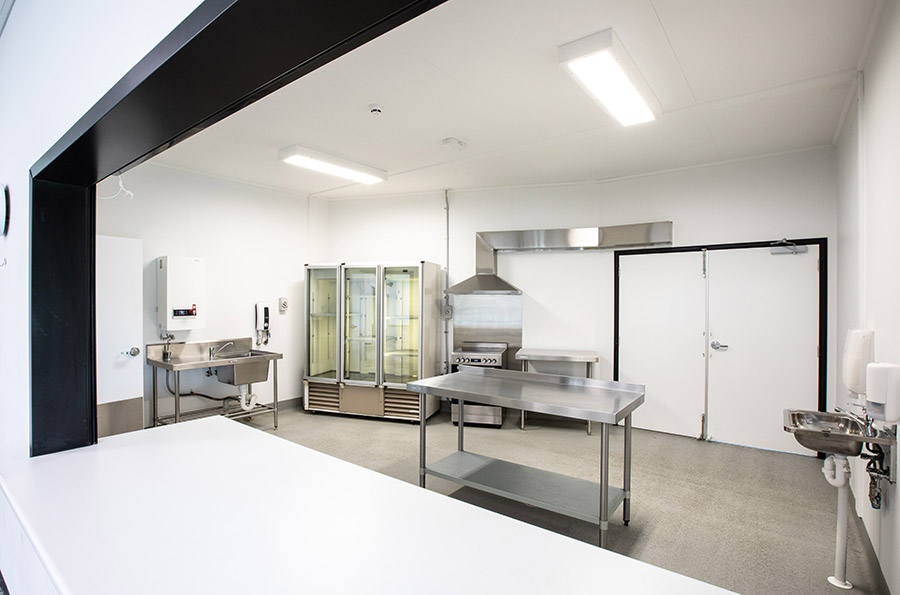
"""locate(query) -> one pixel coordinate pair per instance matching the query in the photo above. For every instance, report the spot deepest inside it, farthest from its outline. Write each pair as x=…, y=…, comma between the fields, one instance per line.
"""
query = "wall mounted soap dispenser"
x=264, y=317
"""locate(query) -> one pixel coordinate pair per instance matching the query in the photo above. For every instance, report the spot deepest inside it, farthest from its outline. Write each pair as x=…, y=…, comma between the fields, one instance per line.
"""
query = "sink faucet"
x=865, y=420
x=213, y=352
x=167, y=350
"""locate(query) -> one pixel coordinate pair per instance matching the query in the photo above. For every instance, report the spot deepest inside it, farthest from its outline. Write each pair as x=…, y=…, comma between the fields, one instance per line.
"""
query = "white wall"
x=869, y=210
x=255, y=242
x=568, y=297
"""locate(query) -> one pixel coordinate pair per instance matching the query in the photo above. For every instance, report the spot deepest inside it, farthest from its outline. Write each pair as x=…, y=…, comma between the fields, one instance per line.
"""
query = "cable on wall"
x=122, y=191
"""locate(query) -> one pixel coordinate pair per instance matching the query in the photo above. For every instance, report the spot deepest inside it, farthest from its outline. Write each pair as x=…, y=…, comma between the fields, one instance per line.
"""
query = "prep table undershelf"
x=580, y=398
x=577, y=498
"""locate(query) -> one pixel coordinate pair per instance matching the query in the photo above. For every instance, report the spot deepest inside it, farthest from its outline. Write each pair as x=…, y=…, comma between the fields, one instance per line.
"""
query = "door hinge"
x=704, y=263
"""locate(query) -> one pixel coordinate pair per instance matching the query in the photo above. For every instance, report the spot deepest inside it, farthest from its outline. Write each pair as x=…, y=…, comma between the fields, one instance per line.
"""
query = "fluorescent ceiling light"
x=329, y=164
x=603, y=68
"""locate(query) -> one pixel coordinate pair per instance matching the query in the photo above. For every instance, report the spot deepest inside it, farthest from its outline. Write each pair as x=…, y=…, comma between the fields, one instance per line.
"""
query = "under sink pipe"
x=837, y=473
x=246, y=399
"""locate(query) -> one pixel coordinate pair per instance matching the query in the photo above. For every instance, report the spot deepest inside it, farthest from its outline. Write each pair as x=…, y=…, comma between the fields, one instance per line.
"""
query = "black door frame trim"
x=224, y=56
x=822, y=243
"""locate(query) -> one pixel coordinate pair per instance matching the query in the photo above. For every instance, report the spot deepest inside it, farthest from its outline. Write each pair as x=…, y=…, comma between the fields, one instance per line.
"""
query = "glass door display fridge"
x=411, y=324
x=389, y=331
x=322, y=337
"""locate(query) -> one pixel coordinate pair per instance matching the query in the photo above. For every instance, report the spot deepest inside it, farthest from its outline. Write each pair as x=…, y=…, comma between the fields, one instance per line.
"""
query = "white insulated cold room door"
x=662, y=312
x=764, y=307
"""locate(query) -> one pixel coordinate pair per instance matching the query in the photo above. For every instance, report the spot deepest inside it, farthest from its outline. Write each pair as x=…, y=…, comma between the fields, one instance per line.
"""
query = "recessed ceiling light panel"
x=600, y=64
x=329, y=164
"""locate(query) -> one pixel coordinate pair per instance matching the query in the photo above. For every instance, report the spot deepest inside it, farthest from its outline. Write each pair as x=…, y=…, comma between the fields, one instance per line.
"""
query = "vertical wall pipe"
x=837, y=473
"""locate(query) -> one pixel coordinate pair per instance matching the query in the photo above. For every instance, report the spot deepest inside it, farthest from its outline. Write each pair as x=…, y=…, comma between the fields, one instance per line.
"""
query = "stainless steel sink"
x=235, y=360
x=833, y=433
x=243, y=367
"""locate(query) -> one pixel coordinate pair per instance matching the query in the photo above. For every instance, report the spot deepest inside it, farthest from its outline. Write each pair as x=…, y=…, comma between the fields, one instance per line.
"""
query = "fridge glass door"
x=322, y=328
x=360, y=323
x=401, y=324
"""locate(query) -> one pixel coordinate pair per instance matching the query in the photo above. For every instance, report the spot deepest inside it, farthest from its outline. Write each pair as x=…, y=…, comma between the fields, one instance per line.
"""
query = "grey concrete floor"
x=752, y=521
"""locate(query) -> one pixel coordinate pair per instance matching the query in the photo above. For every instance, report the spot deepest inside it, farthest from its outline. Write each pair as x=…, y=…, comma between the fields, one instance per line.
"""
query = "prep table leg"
x=626, y=484
x=155, y=398
x=604, y=483
x=177, y=396
x=589, y=373
x=460, y=424
x=275, y=390
x=421, y=440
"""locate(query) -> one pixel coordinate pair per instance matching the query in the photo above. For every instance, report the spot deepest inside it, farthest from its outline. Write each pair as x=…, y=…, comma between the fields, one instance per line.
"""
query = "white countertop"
x=214, y=506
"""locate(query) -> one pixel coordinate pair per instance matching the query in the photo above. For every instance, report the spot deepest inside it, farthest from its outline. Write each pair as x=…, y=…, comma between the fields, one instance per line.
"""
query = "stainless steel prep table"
x=580, y=398
x=588, y=358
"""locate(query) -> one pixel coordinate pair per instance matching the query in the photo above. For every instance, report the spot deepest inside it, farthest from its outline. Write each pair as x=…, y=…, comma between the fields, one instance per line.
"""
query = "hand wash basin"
x=832, y=433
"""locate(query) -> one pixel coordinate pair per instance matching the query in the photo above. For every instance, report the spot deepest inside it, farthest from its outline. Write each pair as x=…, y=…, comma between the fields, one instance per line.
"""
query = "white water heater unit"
x=180, y=293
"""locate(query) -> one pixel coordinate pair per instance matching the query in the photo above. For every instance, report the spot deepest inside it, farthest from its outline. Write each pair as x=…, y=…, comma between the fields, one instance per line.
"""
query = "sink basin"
x=833, y=433
x=242, y=367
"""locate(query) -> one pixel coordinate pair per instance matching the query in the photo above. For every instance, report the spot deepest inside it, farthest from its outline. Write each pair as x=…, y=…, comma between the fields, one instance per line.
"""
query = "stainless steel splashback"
x=490, y=318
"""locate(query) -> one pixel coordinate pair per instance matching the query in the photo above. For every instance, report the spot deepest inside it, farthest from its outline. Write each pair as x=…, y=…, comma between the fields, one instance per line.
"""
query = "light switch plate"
x=282, y=304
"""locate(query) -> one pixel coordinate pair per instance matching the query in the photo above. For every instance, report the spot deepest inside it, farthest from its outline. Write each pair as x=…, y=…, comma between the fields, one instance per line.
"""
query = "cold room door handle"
x=718, y=346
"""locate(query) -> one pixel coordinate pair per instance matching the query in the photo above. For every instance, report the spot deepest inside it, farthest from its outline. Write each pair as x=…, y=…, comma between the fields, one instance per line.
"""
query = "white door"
x=765, y=308
x=120, y=375
x=662, y=310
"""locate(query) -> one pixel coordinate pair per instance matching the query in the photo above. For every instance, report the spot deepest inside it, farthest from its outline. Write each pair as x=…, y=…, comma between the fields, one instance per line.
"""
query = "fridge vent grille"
x=401, y=403
x=324, y=397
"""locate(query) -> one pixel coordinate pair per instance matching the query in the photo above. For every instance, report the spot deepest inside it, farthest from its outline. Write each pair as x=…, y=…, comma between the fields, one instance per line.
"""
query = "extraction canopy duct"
x=488, y=243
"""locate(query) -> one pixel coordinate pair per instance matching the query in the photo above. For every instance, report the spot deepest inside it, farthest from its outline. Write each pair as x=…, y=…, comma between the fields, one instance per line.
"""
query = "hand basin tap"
x=213, y=352
x=167, y=350
x=865, y=420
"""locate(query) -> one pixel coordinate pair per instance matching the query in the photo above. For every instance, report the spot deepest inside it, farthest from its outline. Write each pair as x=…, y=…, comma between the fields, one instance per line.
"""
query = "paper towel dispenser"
x=883, y=392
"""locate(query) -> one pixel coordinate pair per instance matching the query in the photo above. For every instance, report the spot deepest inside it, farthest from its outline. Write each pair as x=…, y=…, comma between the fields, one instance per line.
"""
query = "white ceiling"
x=735, y=79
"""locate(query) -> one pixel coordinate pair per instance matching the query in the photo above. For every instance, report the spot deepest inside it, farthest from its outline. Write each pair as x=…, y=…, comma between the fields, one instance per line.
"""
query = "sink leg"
x=155, y=410
x=177, y=396
x=275, y=390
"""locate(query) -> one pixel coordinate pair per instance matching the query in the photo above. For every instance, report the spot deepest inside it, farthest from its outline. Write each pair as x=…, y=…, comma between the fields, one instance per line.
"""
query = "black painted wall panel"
x=63, y=377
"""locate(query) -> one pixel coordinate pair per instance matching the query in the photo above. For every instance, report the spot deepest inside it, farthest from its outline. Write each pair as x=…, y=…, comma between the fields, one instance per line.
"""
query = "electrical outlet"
x=282, y=304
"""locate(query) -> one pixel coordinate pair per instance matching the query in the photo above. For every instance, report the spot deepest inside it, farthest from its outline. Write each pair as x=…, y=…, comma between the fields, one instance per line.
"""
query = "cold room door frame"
x=822, y=244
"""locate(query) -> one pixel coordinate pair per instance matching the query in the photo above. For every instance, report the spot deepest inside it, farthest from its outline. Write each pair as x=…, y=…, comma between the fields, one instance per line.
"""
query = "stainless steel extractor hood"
x=488, y=243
